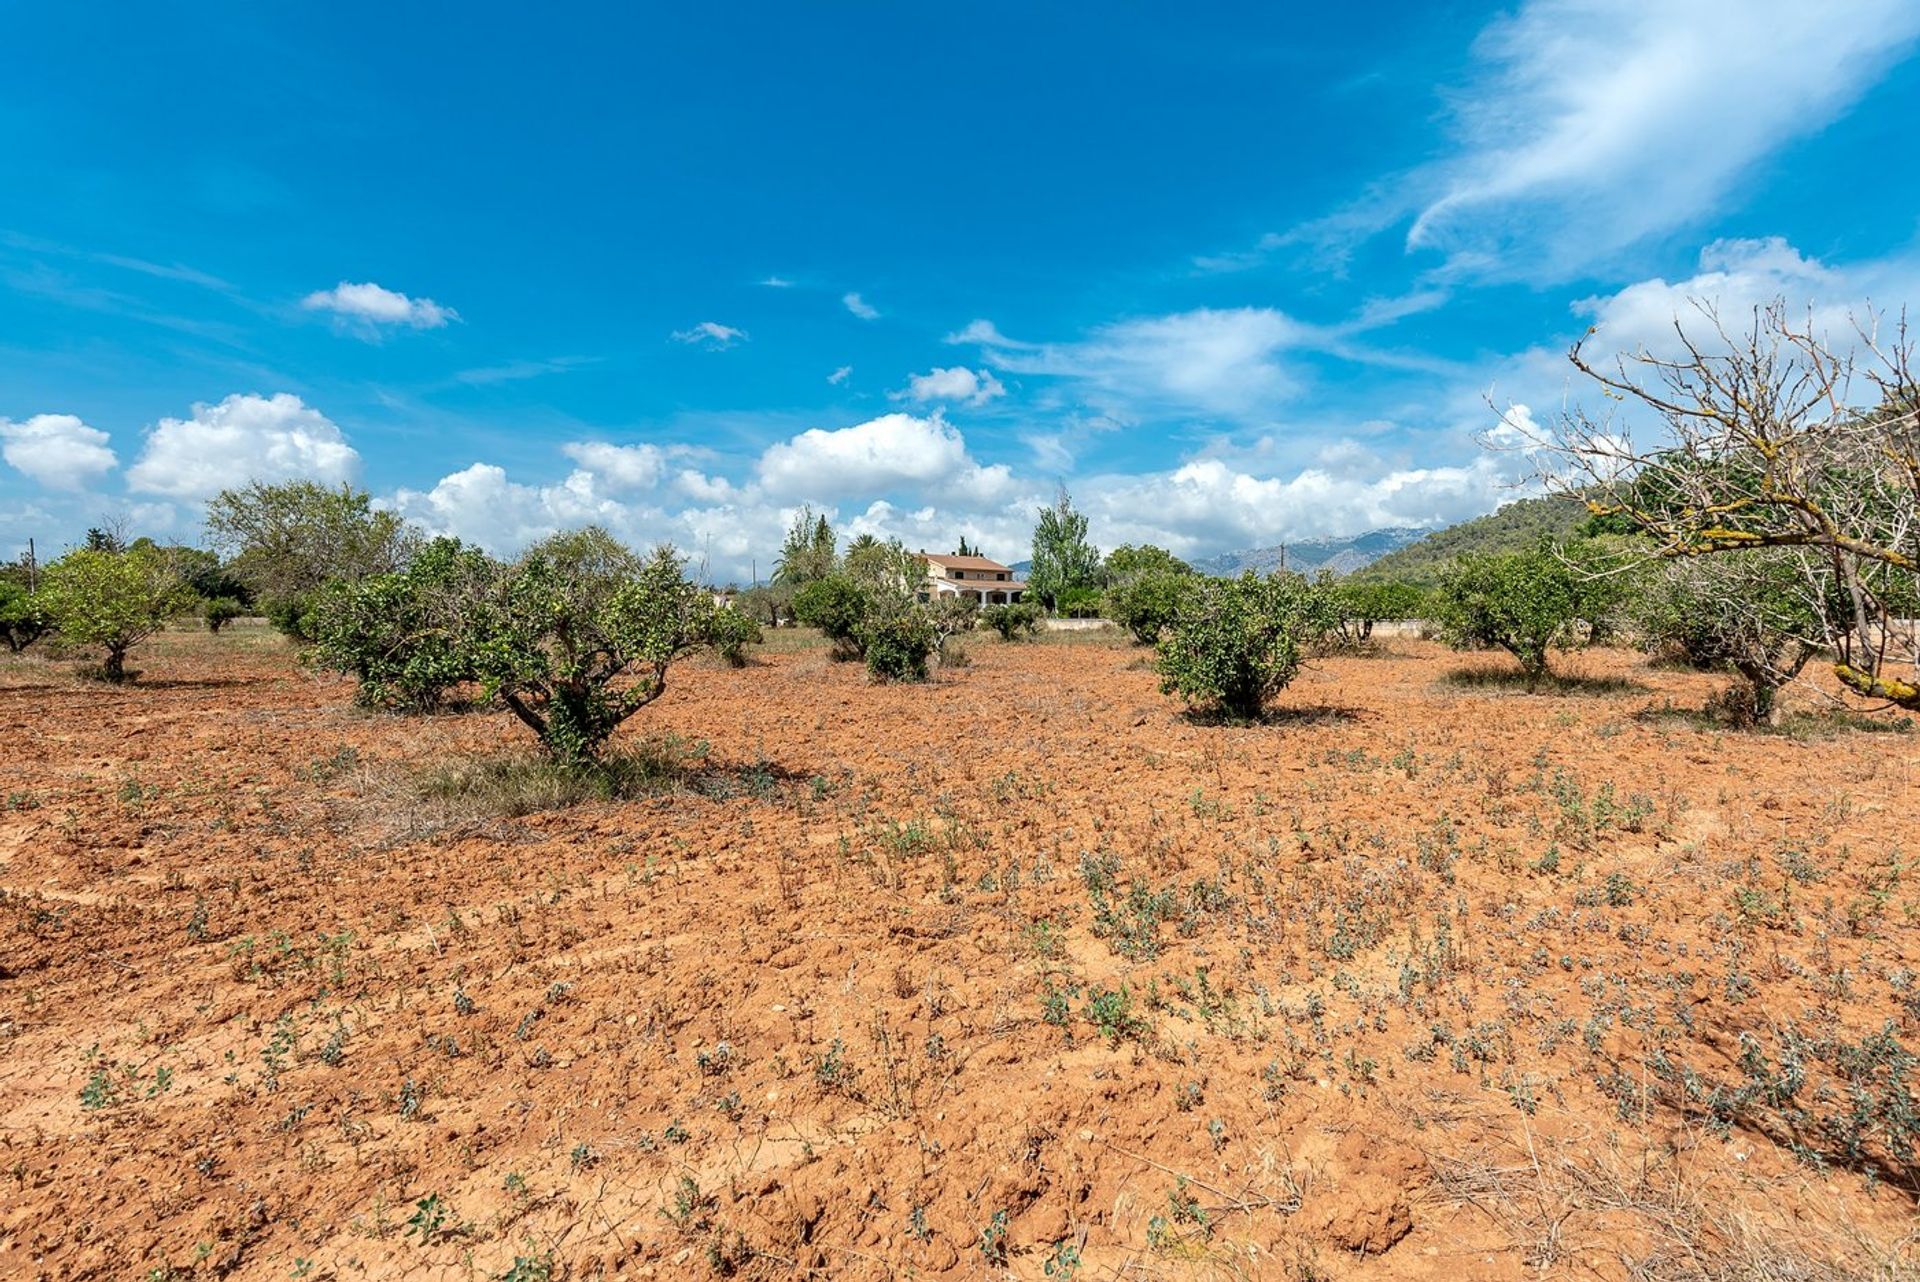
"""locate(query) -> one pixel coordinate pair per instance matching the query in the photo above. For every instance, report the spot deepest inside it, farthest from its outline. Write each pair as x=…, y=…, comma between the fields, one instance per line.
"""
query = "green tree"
x=406, y=636
x=114, y=599
x=23, y=616
x=808, y=554
x=730, y=630
x=1128, y=562
x=1064, y=561
x=837, y=605
x=583, y=635
x=1235, y=643
x=1145, y=585
x=1016, y=622
x=1527, y=603
x=1758, y=614
x=1361, y=603
x=886, y=567
x=284, y=541
x=897, y=637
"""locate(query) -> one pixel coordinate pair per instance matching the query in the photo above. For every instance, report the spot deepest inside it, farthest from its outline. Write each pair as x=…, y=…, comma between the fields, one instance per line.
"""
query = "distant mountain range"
x=1310, y=556
x=1402, y=552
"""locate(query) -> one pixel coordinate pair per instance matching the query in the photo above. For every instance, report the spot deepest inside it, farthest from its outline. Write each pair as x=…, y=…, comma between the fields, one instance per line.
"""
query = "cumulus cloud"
x=1594, y=124
x=860, y=307
x=370, y=306
x=622, y=467
x=58, y=450
x=957, y=384
x=875, y=457
x=711, y=335
x=242, y=438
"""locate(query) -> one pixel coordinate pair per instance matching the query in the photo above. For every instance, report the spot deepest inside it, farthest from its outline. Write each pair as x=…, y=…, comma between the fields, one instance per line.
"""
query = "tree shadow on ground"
x=1284, y=717
x=1474, y=677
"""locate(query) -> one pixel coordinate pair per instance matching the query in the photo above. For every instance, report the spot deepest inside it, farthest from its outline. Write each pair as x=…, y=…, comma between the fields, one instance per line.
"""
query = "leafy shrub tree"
x=808, y=554
x=1361, y=603
x=1526, y=603
x=1235, y=643
x=1146, y=602
x=1758, y=614
x=23, y=616
x=1016, y=622
x=730, y=631
x=1064, y=561
x=582, y=635
x=769, y=604
x=114, y=599
x=1128, y=561
x=954, y=614
x=837, y=605
x=897, y=638
x=406, y=636
x=219, y=611
x=286, y=541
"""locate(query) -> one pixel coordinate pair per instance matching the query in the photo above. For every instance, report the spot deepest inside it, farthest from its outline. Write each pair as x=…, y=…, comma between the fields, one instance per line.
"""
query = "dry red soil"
x=976, y=979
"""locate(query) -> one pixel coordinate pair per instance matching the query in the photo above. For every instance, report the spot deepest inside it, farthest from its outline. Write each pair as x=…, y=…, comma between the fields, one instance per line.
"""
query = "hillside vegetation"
x=1518, y=525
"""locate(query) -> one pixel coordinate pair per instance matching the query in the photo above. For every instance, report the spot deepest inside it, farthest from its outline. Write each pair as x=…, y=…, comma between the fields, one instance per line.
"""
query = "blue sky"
x=1234, y=274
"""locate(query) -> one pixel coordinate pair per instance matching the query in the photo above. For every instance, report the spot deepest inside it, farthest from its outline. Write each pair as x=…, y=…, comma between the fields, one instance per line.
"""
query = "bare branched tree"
x=1761, y=440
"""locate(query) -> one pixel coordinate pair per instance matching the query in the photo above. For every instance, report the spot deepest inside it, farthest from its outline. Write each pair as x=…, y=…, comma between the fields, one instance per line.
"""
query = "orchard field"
x=1023, y=972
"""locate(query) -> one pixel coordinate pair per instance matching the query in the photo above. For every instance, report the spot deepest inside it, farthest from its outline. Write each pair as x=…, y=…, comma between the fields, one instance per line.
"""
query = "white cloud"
x=777, y=282
x=875, y=457
x=986, y=334
x=956, y=384
x=623, y=467
x=711, y=335
x=1222, y=362
x=840, y=375
x=243, y=438
x=481, y=505
x=58, y=450
x=369, y=306
x=1594, y=124
x=860, y=307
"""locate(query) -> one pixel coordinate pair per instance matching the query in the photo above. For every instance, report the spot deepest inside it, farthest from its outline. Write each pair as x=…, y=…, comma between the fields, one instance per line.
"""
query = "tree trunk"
x=115, y=668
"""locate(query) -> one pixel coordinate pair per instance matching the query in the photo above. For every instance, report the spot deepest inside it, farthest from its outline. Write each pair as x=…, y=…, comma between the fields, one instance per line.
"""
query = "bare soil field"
x=1020, y=973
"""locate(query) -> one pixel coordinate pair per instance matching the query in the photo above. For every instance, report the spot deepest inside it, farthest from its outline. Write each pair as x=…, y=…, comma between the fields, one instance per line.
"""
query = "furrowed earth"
x=1023, y=972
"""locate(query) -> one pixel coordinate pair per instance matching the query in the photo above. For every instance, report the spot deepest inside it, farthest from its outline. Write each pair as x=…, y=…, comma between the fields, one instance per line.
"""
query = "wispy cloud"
x=1587, y=127
x=367, y=307
x=777, y=282
x=840, y=375
x=711, y=335
x=516, y=371
x=860, y=307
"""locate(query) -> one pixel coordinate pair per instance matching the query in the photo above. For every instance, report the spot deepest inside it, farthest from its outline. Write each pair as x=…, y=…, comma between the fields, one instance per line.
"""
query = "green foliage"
x=1016, y=622
x=1758, y=614
x=1235, y=643
x=114, y=600
x=582, y=634
x=23, y=616
x=837, y=605
x=1515, y=527
x=1128, y=562
x=1063, y=559
x=954, y=613
x=769, y=605
x=730, y=630
x=884, y=567
x=286, y=541
x=807, y=555
x=219, y=611
x=1145, y=602
x=897, y=639
x=1361, y=603
x=405, y=636
x=1526, y=603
